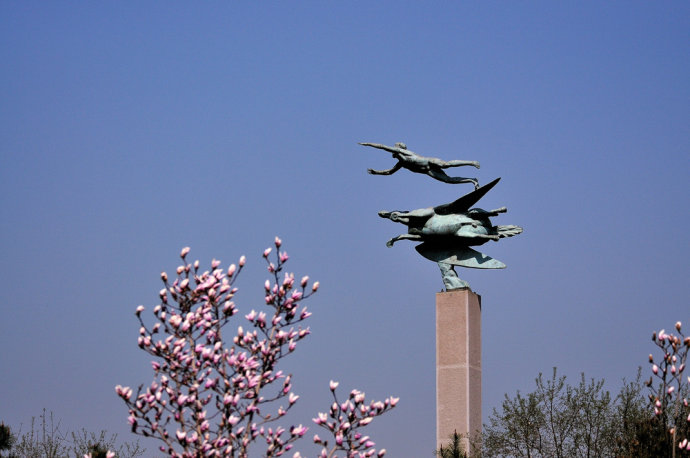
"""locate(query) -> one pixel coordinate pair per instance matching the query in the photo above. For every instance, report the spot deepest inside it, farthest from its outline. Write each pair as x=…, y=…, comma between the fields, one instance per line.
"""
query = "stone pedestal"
x=458, y=365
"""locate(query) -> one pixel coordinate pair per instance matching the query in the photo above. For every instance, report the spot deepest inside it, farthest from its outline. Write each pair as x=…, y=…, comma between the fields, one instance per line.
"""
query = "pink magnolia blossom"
x=212, y=388
x=668, y=405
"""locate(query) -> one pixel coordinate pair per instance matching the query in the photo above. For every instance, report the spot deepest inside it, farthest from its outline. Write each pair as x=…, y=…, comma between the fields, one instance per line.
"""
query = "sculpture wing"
x=508, y=231
x=458, y=256
x=464, y=203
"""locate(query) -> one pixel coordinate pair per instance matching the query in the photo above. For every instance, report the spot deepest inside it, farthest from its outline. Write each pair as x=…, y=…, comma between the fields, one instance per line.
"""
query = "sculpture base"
x=458, y=366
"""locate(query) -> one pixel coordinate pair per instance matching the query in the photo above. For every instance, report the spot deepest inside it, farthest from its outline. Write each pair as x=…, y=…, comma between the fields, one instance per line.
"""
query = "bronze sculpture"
x=447, y=231
x=431, y=166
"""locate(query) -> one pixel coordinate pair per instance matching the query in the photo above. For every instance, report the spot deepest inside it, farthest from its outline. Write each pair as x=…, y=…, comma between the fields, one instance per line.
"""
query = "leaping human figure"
x=431, y=166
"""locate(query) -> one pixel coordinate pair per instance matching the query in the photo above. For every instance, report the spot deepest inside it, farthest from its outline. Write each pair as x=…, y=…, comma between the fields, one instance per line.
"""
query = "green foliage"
x=560, y=420
x=454, y=450
x=97, y=445
x=7, y=439
x=46, y=440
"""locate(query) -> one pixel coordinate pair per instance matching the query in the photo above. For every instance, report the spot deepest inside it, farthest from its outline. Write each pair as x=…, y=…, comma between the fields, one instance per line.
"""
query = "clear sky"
x=129, y=130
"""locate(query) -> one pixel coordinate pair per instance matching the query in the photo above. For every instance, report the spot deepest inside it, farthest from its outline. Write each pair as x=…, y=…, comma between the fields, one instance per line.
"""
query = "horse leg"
x=403, y=237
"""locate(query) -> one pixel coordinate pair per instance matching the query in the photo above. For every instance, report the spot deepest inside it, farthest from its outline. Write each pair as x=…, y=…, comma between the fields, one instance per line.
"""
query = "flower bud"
x=184, y=252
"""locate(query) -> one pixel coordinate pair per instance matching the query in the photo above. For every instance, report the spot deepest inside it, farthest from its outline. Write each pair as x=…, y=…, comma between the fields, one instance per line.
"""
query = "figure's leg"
x=403, y=237
x=458, y=163
x=440, y=175
x=391, y=171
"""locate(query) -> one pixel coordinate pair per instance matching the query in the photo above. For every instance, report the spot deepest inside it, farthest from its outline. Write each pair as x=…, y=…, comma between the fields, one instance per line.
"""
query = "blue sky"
x=129, y=130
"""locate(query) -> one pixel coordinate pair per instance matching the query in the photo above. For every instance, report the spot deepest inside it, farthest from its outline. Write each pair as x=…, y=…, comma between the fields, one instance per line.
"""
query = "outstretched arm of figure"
x=390, y=149
x=391, y=171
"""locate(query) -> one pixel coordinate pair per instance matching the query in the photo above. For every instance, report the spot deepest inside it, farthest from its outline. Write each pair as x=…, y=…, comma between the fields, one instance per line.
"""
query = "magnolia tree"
x=218, y=391
x=670, y=397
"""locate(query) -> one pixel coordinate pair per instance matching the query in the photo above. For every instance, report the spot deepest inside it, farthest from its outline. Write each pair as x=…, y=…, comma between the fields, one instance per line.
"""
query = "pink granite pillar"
x=458, y=364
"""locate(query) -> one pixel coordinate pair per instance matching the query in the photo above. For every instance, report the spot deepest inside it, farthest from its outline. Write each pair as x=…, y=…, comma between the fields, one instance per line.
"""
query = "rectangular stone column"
x=458, y=365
